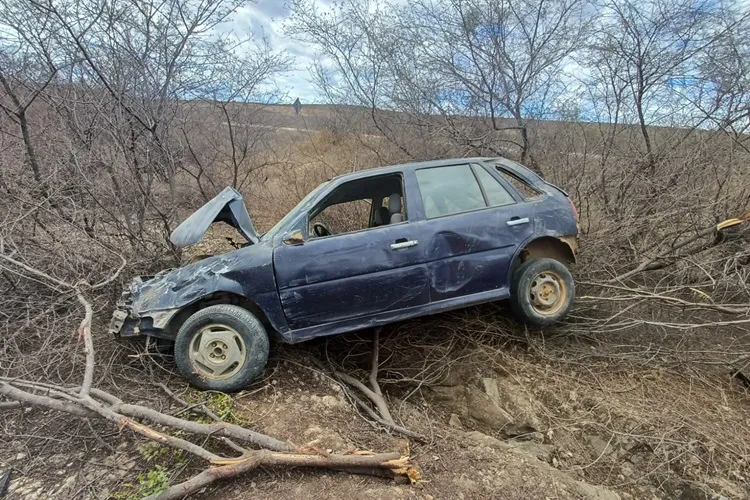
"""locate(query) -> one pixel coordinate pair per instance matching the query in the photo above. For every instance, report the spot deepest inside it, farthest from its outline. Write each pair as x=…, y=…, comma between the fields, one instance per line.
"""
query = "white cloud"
x=265, y=18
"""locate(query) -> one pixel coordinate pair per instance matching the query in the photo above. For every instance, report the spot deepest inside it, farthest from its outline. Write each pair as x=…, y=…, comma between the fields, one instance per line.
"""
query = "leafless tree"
x=498, y=60
x=356, y=40
x=485, y=67
x=240, y=141
x=721, y=91
x=643, y=51
x=121, y=79
x=26, y=71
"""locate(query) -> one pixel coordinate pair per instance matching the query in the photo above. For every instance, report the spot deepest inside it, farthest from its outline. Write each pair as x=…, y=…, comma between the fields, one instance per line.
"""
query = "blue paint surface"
x=355, y=280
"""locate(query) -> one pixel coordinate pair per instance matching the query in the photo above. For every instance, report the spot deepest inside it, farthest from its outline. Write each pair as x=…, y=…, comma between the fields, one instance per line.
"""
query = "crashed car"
x=361, y=250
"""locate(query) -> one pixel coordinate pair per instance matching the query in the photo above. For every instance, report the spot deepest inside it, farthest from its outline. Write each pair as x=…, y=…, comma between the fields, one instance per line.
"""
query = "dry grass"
x=632, y=366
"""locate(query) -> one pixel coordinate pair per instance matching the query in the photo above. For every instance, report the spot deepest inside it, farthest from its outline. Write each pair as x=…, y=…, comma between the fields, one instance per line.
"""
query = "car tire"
x=542, y=291
x=221, y=348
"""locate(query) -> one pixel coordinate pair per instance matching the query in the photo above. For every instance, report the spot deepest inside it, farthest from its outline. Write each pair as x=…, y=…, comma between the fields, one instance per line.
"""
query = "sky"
x=266, y=18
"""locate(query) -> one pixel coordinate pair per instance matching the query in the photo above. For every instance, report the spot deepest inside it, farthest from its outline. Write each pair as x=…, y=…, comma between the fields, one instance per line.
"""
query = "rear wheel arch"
x=548, y=247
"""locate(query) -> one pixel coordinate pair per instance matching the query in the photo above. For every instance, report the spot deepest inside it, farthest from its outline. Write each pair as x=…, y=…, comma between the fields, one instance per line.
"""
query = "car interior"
x=359, y=204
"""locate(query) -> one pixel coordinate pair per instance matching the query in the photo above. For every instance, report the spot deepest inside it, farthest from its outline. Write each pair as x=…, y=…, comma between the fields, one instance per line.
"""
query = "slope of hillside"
x=631, y=398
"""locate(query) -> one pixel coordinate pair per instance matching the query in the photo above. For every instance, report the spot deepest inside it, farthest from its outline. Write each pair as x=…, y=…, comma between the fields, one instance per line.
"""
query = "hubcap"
x=547, y=293
x=217, y=352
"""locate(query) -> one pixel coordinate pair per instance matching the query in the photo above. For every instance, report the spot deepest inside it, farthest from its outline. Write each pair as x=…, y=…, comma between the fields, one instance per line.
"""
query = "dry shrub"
x=673, y=420
x=654, y=322
x=647, y=356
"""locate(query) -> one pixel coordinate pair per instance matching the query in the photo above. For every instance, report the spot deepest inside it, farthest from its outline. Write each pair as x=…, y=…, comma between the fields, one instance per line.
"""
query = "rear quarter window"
x=526, y=190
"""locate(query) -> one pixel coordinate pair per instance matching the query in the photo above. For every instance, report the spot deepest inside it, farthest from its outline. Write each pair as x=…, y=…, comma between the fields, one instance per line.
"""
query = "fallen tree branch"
x=87, y=401
x=659, y=260
x=84, y=332
x=392, y=462
x=221, y=467
x=42, y=401
x=638, y=294
x=374, y=367
x=202, y=409
x=10, y=405
x=118, y=410
x=385, y=423
x=373, y=393
x=668, y=257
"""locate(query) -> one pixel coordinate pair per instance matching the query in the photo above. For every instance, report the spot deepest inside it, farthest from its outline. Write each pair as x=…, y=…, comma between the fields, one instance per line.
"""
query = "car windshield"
x=284, y=220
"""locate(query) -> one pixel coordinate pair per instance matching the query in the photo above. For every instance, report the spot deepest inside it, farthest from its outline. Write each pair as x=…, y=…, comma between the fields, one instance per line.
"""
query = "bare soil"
x=594, y=428
x=571, y=412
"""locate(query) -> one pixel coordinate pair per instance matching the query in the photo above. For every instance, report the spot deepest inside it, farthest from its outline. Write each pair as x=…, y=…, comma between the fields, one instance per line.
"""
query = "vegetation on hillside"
x=117, y=119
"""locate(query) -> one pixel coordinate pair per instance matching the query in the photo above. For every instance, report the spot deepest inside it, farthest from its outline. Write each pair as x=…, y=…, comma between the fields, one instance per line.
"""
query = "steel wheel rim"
x=217, y=352
x=548, y=293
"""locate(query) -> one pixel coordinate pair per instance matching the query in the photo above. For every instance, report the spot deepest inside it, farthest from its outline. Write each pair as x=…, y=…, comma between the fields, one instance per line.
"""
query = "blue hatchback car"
x=361, y=250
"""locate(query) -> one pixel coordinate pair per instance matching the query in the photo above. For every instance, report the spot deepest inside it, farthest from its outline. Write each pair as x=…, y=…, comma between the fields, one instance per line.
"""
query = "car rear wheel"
x=542, y=291
x=221, y=348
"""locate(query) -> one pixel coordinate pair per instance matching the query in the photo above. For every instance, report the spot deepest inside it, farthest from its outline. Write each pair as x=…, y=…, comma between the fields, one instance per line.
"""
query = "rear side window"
x=496, y=194
x=449, y=190
x=528, y=192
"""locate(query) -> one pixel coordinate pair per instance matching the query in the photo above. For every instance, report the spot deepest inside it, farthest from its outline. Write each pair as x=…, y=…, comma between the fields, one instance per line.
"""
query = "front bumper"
x=121, y=314
x=128, y=323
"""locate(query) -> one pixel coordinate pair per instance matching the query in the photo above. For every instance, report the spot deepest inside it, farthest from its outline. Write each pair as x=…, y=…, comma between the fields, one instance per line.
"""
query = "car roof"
x=412, y=166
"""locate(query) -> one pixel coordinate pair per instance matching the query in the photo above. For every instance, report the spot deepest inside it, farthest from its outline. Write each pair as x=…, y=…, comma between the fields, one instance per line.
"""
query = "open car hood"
x=226, y=206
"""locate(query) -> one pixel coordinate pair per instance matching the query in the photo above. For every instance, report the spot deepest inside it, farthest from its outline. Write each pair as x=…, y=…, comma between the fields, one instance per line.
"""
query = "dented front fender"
x=150, y=304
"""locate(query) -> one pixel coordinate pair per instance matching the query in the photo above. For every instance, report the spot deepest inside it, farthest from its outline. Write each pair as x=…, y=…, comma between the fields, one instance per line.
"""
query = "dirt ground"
x=504, y=418
x=507, y=412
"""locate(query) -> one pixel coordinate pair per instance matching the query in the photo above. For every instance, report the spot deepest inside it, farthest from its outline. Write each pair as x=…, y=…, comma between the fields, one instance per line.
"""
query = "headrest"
x=394, y=203
x=382, y=216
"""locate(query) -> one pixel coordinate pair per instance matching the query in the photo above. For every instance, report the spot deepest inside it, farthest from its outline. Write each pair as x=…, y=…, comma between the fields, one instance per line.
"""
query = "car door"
x=474, y=224
x=352, y=275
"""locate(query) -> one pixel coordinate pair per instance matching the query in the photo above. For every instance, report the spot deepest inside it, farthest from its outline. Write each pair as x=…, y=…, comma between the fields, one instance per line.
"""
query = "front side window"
x=281, y=225
x=358, y=205
x=449, y=190
x=345, y=217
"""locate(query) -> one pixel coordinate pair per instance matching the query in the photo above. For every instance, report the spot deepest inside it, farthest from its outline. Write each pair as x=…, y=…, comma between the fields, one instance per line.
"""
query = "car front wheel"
x=221, y=348
x=542, y=291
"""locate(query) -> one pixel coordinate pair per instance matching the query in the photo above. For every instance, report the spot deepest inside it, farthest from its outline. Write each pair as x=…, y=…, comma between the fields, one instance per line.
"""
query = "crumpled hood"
x=227, y=206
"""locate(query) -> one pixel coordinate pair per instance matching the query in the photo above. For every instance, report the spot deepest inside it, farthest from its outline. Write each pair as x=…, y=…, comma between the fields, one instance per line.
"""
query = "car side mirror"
x=294, y=238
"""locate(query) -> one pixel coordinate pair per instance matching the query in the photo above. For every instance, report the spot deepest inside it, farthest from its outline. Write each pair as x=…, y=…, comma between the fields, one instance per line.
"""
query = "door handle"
x=403, y=244
x=515, y=221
